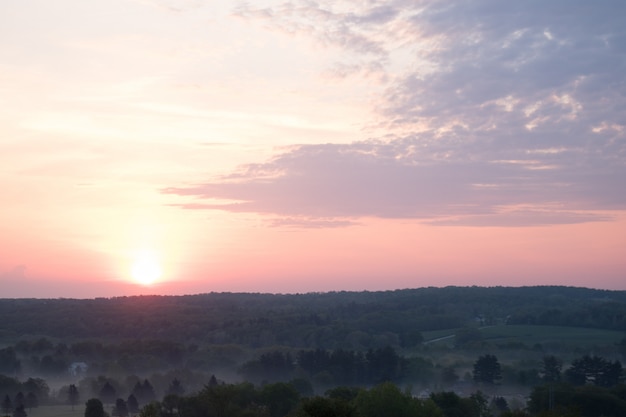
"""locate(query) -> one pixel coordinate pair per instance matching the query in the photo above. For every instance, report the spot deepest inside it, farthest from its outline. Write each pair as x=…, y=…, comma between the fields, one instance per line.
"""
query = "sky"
x=182, y=147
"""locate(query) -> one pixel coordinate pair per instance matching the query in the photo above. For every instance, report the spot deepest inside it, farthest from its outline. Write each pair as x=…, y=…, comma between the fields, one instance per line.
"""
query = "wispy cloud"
x=488, y=106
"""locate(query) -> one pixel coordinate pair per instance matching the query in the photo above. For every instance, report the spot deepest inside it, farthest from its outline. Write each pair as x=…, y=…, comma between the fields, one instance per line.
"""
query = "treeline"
x=590, y=386
x=386, y=399
x=318, y=320
x=329, y=368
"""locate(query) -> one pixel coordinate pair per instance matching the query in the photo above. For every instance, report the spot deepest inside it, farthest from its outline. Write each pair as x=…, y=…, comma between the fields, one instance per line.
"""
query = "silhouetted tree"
x=147, y=392
x=39, y=387
x=551, y=369
x=107, y=394
x=594, y=370
x=176, y=388
x=31, y=400
x=487, y=370
x=19, y=411
x=7, y=405
x=19, y=399
x=94, y=408
x=499, y=405
x=120, y=409
x=72, y=395
x=133, y=404
x=169, y=405
x=9, y=364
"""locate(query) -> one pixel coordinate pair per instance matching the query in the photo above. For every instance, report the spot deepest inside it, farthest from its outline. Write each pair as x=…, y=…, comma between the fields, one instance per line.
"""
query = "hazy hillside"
x=308, y=320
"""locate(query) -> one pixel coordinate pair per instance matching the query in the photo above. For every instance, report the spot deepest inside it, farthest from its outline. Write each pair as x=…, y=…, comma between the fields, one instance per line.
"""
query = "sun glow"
x=146, y=269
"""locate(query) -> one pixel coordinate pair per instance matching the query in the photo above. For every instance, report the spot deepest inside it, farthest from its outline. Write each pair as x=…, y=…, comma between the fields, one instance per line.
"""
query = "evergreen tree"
x=133, y=404
x=107, y=393
x=487, y=370
x=147, y=391
x=176, y=388
x=594, y=370
x=551, y=369
x=7, y=405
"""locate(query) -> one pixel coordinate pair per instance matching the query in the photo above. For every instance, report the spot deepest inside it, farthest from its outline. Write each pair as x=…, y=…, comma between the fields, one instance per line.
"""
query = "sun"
x=146, y=269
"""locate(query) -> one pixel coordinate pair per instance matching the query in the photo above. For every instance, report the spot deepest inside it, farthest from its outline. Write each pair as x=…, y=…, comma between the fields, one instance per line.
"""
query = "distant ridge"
x=233, y=317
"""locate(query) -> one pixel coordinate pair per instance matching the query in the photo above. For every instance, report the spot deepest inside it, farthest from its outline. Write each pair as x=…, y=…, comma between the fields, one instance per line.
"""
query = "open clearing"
x=532, y=335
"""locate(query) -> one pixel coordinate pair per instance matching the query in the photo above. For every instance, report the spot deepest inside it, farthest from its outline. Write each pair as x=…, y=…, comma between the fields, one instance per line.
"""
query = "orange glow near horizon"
x=175, y=147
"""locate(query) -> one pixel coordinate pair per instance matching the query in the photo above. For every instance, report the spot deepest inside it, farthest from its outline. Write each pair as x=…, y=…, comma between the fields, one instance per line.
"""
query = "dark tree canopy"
x=120, y=409
x=107, y=393
x=19, y=411
x=551, y=369
x=7, y=405
x=487, y=370
x=133, y=404
x=594, y=370
x=94, y=408
x=31, y=400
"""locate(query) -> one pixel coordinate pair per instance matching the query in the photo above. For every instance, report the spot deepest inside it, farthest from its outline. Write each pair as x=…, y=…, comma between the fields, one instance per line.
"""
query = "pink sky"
x=294, y=147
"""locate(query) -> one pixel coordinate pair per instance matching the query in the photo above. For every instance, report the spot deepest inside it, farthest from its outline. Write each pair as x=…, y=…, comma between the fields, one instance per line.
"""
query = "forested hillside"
x=448, y=346
x=308, y=320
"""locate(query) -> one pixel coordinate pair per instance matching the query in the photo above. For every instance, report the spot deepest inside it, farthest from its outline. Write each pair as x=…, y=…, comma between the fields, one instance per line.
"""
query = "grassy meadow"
x=533, y=335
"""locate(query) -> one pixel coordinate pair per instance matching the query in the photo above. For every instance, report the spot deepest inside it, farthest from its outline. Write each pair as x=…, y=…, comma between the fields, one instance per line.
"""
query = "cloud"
x=400, y=179
x=492, y=113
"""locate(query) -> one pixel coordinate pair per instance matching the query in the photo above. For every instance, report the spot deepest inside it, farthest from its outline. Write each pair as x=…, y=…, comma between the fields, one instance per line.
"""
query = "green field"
x=532, y=335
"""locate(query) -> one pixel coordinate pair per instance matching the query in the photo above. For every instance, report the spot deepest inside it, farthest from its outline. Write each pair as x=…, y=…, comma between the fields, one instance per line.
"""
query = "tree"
x=19, y=411
x=133, y=404
x=452, y=405
x=148, y=391
x=551, y=369
x=144, y=392
x=31, y=400
x=107, y=393
x=386, y=399
x=39, y=387
x=9, y=364
x=280, y=398
x=19, y=399
x=72, y=395
x=327, y=407
x=7, y=405
x=594, y=370
x=94, y=408
x=487, y=370
x=169, y=405
x=176, y=388
x=120, y=409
